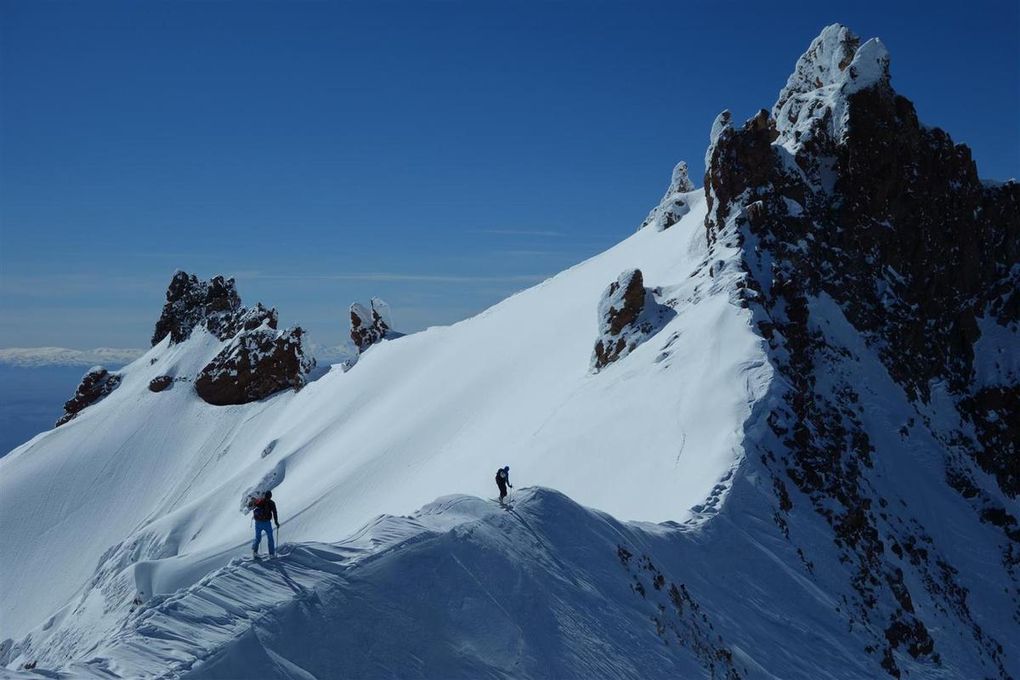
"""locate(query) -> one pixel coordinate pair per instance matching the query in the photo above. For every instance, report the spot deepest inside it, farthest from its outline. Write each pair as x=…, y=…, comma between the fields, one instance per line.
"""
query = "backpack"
x=263, y=513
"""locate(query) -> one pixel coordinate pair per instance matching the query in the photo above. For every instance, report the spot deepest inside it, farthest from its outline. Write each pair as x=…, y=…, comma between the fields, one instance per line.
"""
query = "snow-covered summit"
x=835, y=66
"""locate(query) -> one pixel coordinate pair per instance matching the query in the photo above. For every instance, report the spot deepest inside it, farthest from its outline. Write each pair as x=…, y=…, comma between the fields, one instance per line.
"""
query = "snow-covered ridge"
x=650, y=437
x=545, y=589
x=33, y=357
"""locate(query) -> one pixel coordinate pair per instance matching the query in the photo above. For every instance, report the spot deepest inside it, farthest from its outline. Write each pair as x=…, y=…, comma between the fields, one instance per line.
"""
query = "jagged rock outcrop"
x=95, y=385
x=628, y=316
x=254, y=365
x=370, y=325
x=258, y=360
x=841, y=197
x=674, y=204
x=214, y=304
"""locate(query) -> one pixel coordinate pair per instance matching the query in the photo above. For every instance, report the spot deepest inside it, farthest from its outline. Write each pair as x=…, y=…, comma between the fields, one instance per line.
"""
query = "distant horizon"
x=439, y=156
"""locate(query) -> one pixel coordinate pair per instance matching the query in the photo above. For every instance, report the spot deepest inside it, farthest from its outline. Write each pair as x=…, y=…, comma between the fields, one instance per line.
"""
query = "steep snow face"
x=649, y=437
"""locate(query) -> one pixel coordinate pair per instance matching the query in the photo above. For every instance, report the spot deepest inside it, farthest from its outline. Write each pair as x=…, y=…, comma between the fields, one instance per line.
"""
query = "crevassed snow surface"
x=141, y=492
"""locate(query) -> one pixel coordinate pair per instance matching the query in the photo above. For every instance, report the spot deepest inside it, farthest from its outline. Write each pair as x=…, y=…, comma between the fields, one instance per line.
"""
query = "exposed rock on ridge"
x=674, y=204
x=96, y=384
x=254, y=365
x=257, y=361
x=370, y=325
x=214, y=304
x=841, y=194
x=628, y=316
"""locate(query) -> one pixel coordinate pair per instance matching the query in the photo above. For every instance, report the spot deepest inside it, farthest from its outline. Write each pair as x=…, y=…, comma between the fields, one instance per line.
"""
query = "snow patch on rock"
x=814, y=101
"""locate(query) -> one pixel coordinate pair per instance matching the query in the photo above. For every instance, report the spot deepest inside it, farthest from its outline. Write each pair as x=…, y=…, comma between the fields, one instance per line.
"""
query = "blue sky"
x=439, y=155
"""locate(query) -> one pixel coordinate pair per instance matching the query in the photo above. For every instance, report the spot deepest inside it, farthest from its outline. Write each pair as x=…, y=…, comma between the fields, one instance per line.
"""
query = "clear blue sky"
x=440, y=155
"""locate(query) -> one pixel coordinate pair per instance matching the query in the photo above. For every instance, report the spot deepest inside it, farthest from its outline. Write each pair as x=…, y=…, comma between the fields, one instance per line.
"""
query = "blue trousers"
x=267, y=527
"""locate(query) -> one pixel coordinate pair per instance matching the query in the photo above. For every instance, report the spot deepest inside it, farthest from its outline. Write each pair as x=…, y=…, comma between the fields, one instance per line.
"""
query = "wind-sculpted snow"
x=463, y=588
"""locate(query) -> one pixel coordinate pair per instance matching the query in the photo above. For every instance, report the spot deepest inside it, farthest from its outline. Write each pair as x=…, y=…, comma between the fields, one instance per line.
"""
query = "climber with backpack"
x=503, y=481
x=264, y=510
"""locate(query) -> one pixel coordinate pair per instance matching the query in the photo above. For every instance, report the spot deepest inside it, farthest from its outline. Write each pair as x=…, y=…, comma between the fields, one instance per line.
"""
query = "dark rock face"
x=254, y=365
x=214, y=304
x=160, y=383
x=628, y=316
x=370, y=325
x=841, y=194
x=258, y=360
x=95, y=385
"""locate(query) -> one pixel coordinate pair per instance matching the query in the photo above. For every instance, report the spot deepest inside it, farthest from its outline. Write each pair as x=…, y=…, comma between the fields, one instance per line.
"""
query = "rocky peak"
x=214, y=304
x=848, y=210
x=369, y=325
x=675, y=202
x=812, y=109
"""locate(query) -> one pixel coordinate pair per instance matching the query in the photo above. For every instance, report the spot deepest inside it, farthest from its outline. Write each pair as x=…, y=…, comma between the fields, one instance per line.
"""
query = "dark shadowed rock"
x=160, y=383
x=214, y=304
x=628, y=315
x=95, y=385
x=254, y=365
x=370, y=325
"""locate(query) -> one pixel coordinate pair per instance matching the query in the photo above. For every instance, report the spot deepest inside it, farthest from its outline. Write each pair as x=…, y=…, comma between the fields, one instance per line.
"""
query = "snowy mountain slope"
x=428, y=414
x=828, y=422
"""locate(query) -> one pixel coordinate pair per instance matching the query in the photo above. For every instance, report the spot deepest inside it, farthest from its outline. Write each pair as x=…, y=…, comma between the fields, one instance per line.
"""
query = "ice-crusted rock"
x=369, y=325
x=94, y=385
x=628, y=315
x=214, y=304
x=849, y=212
x=674, y=204
x=254, y=365
x=834, y=67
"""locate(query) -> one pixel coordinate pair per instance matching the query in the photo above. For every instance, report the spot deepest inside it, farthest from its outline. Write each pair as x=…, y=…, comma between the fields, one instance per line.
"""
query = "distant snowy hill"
x=32, y=357
x=771, y=434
